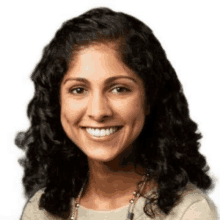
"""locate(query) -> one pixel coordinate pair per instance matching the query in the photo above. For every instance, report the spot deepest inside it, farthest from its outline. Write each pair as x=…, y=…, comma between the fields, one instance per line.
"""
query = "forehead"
x=98, y=62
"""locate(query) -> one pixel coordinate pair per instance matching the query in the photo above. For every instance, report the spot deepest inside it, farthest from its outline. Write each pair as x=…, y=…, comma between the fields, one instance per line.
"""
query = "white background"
x=189, y=31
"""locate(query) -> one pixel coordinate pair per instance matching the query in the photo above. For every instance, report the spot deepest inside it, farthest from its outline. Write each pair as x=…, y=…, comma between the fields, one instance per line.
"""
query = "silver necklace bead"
x=132, y=201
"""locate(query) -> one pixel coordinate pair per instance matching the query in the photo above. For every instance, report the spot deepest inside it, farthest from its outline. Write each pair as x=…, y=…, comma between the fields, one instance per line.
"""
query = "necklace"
x=130, y=215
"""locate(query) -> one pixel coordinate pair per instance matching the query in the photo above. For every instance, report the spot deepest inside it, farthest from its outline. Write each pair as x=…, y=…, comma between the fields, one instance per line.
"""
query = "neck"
x=109, y=182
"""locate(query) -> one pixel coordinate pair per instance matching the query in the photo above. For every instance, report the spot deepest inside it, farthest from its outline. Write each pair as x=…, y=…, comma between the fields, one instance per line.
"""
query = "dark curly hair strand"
x=167, y=147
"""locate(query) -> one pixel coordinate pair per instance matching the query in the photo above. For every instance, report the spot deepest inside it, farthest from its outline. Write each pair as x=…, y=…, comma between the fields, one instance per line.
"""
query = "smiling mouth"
x=102, y=132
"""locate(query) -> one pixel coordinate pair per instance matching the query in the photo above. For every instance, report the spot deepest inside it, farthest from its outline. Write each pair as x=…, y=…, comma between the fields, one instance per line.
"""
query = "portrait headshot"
x=110, y=111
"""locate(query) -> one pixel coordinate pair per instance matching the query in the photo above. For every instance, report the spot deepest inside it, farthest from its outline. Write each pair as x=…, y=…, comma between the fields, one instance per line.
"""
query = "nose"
x=98, y=107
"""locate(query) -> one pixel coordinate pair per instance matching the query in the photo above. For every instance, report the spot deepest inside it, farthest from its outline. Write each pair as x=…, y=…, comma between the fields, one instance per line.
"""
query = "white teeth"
x=101, y=132
x=107, y=132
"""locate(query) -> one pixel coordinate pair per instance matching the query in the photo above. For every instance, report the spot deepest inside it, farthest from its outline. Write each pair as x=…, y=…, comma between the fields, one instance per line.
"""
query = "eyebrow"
x=109, y=80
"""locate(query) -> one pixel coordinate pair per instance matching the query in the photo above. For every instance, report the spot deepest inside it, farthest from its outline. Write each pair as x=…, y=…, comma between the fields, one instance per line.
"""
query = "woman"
x=110, y=134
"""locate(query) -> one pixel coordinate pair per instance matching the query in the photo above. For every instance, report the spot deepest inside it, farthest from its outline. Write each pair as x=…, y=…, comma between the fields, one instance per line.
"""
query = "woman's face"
x=102, y=104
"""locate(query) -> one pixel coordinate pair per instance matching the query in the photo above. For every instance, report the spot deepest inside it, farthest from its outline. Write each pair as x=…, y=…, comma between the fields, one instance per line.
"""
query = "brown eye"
x=120, y=89
x=78, y=91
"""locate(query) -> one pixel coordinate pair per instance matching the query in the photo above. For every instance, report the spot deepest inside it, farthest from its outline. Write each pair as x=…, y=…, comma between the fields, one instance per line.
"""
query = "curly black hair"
x=168, y=146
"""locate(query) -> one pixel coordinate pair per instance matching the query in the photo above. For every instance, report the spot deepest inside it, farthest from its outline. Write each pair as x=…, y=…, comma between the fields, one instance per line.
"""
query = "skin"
x=99, y=102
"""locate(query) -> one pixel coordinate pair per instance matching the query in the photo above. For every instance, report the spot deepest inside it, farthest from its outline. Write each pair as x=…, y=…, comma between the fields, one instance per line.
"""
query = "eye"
x=119, y=89
x=78, y=91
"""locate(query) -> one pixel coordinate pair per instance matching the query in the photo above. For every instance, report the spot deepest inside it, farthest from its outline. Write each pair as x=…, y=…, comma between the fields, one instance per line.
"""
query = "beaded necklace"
x=130, y=215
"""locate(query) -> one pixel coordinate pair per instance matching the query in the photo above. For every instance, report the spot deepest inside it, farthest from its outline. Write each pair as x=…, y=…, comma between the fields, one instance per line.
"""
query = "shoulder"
x=32, y=211
x=194, y=204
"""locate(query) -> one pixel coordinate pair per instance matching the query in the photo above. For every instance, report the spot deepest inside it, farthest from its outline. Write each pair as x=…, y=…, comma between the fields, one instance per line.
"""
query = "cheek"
x=132, y=113
x=131, y=109
x=65, y=118
x=70, y=115
x=71, y=110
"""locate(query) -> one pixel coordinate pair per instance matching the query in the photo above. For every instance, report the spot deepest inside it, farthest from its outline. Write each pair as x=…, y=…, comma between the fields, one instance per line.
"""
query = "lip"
x=105, y=138
x=104, y=127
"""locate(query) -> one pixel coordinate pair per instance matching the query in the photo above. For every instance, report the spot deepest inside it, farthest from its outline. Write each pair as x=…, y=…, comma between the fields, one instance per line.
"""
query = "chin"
x=101, y=157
